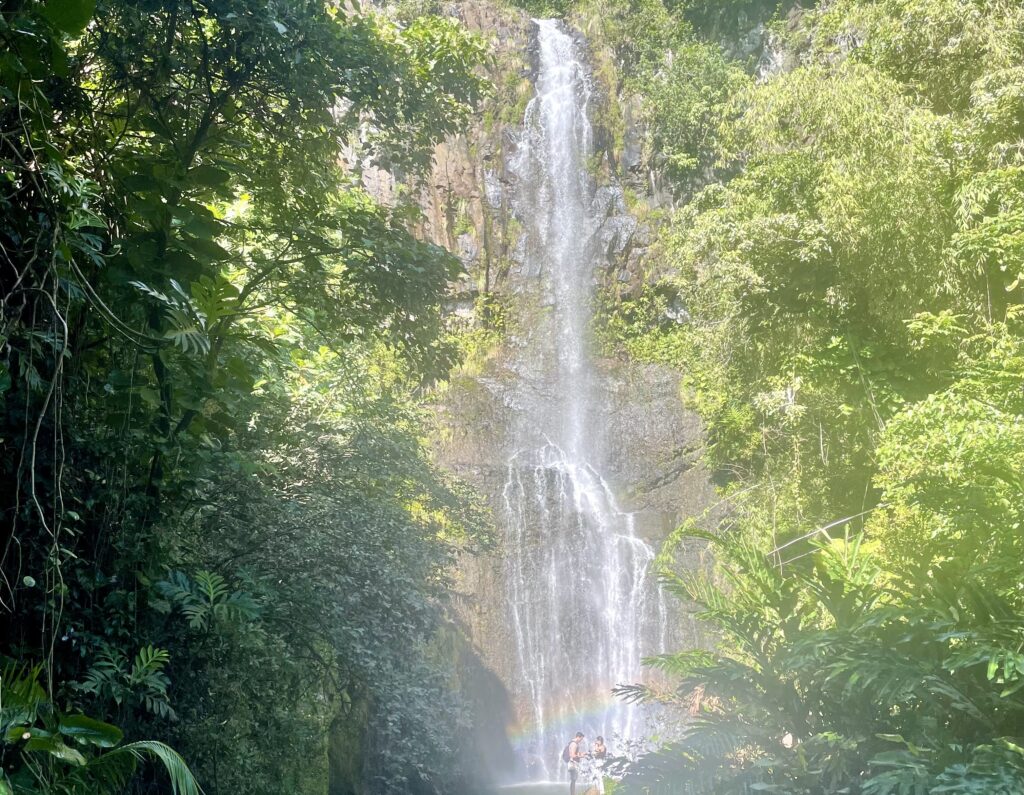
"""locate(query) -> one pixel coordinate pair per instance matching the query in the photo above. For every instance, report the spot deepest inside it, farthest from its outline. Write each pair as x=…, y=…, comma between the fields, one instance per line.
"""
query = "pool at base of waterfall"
x=535, y=788
x=549, y=788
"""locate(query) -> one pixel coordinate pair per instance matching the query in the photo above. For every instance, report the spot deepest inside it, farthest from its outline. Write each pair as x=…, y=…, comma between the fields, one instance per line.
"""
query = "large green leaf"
x=89, y=730
x=54, y=746
x=208, y=175
x=70, y=16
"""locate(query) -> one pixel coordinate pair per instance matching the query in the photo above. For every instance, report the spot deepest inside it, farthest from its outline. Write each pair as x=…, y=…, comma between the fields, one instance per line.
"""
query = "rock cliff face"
x=651, y=443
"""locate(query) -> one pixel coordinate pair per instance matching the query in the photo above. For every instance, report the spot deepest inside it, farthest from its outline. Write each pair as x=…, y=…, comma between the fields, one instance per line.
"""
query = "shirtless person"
x=574, y=752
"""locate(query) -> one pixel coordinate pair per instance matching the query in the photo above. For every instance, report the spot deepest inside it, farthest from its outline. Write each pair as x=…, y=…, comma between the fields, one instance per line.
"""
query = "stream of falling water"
x=582, y=607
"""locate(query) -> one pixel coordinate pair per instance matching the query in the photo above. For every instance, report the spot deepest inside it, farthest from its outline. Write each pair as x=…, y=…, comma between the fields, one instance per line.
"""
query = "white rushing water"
x=582, y=607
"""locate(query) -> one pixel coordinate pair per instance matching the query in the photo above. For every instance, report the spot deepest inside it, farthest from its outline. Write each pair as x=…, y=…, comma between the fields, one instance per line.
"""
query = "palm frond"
x=182, y=780
x=634, y=694
x=681, y=663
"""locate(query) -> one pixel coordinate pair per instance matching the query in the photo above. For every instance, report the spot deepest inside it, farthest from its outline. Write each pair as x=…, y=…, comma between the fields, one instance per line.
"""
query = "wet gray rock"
x=633, y=139
x=615, y=235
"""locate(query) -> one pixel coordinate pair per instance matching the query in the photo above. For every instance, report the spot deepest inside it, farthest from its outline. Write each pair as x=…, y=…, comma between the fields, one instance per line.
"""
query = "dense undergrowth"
x=219, y=529
x=840, y=288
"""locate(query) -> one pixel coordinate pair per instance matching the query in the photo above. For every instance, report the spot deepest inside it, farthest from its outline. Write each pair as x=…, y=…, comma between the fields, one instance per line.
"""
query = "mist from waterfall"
x=582, y=607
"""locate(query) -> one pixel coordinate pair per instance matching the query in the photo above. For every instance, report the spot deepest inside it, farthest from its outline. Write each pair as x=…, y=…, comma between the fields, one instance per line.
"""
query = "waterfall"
x=582, y=609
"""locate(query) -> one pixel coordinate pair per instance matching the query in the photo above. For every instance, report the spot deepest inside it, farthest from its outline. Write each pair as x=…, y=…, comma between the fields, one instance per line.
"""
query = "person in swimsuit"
x=599, y=752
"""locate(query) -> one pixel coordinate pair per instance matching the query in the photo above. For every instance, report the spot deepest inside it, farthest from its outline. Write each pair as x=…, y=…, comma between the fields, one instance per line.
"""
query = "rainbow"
x=571, y=717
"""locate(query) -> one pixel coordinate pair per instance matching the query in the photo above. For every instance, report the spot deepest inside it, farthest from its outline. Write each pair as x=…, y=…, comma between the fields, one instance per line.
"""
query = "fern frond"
x=21, y=694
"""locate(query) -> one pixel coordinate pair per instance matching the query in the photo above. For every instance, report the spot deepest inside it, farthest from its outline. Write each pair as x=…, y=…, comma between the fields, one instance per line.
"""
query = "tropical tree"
x=187, y=264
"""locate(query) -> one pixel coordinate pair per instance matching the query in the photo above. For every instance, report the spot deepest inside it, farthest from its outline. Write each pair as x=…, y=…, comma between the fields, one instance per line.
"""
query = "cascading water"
x=581, y=605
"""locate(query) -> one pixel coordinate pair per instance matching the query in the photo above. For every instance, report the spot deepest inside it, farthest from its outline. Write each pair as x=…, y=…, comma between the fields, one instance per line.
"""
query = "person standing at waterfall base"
x=572, y=755
x=599, y=752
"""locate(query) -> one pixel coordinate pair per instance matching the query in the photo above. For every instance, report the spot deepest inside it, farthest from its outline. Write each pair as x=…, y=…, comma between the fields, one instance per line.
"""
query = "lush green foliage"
x=72, y=754
x=725, y=18
x=220, y=526
x=843, y=304
x=837, y=676
x=685, y=99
